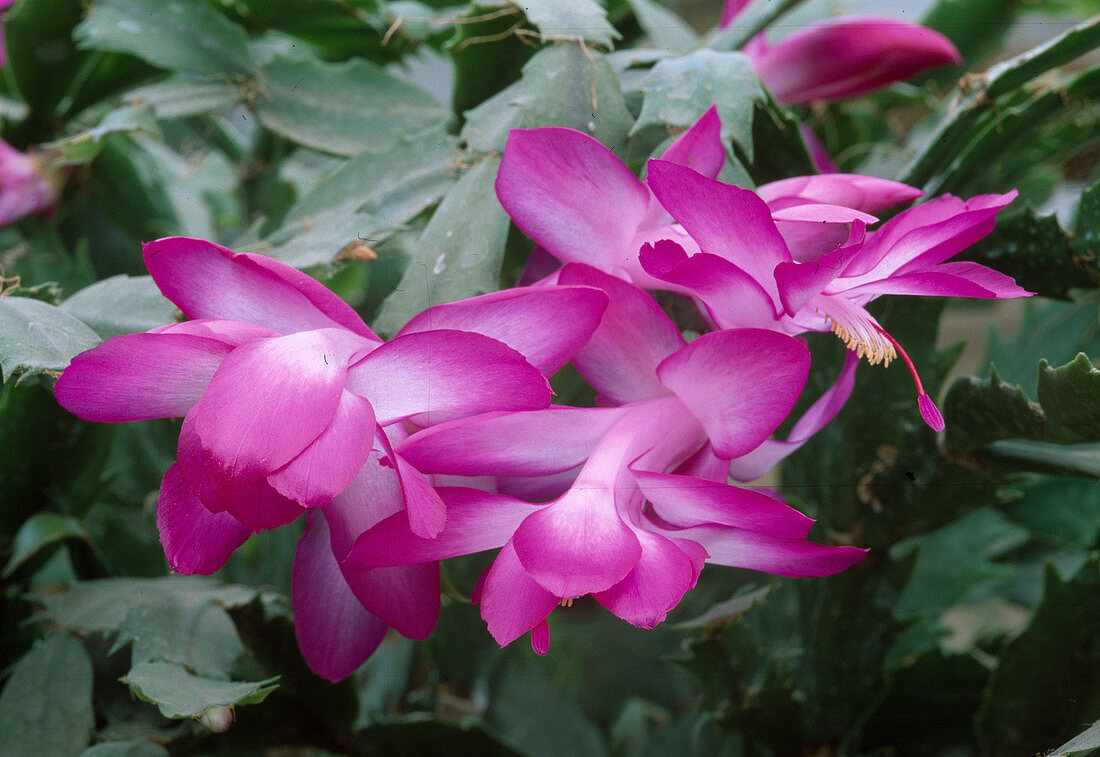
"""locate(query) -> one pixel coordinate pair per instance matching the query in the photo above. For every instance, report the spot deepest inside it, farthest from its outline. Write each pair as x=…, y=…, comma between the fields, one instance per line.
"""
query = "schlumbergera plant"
x=549, y=378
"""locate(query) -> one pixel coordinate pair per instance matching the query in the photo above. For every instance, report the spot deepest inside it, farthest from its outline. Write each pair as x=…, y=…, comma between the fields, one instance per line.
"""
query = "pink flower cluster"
x=444, y=440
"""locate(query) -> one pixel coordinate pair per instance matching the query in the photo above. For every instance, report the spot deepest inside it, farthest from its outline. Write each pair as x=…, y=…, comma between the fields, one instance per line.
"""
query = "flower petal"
x=476, y=521
x=784, y=557
x=634, y=336
x=957, y=279
x=656, y=583
x=800, y=282
x=685, y=501
x=700, y=147
x=726, y=221
x=848, y=56
x=571, y=195
x=512, y=603
x=336, y=635
x=739, y=383
x=733, y=299
x=332, y=461
x=866, y=193
x=528, y=320
x=423, y=506
x=206, y=280
x=526, y=443
x=443, y=373
x=195, y=540
x=140, y=376
x=578, y=544
x=405, y=597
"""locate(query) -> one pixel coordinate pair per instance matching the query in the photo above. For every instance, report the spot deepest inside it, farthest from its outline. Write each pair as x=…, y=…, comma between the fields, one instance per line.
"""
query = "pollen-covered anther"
x=869, y=345
x=566, y=602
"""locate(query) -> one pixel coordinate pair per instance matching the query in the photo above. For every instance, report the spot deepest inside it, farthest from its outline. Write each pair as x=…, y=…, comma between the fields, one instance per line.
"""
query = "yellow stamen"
x=866, y=345
x=566, y=601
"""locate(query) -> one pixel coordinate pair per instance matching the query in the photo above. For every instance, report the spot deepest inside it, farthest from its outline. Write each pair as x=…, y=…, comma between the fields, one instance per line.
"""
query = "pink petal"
x=139, y=376
x=726, y=221
x=685, y=501
x=571, y=195
x=759, y=461
x=739, y=383
x=269, y=400
x=866, y=193
x=527, y=320
x=731, y=9
x=195, y=540
x=925, y=234
x=959, y=279
x=476, y=521
x=405, y=597
x=823, y=162
x=206, y=280
x=656, y=584
x=700, y=147
x=441, y=373
x=819, y=212
x=800, y=282
x=634, y=336
x=374, y=496
x=733, y=299
x=530, y=443
x=512, y=603
x=336, y=635
x=849, y=56
x=332, y=461
x=423, y=506
x=232, y=333
x=578, y=544
x=540, y=639
x=784, y=557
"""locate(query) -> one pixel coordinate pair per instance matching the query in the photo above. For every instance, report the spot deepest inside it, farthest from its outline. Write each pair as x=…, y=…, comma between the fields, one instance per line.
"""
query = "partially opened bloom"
x=291, y=403
x=745, y=275
x=843, y=57
x=25, y=187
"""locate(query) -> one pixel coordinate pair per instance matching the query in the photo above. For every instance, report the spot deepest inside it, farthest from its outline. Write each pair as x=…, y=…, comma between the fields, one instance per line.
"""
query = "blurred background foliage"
x=358, y=139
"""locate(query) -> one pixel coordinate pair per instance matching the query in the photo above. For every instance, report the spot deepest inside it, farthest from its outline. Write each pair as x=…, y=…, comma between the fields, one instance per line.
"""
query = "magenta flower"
x=291, y=403
x=625, y=529
x=843, y=57
x=4, y=5
x=580, y=204
x=24, y=187
x=746, y=275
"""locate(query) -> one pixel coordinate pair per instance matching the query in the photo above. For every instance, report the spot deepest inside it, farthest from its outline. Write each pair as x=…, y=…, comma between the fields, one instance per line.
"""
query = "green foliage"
x=39, y=337
x=178, y=693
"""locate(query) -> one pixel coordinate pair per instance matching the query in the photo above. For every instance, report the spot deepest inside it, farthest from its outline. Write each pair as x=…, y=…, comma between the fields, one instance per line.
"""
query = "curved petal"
x=959, y=279
x=759, y=461
x=140, y=376
x=869, y=194
x=443, y=373
x=405, y=597
x=634, y=336
x=800, y=282
x=578, y=544
x=512, y=603
x=206, y=280
x=571, y=195
x=233, y=333
x=527, y=443
x=528, y=320
x=332, y=461
x=726, y=221
x=732, y=298
x=656, y=583
x=700, y=147
x=336, y=635
x=269, y=400
x=685, y=501
x=423, y=506
x=476, y=521
x=195, y=540
x=739, y=383
x=849, y=56
x=784, y=557
x=374, y=496
x=820, y=212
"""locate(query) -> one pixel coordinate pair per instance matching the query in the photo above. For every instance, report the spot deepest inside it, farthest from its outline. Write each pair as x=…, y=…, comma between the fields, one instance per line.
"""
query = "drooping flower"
x=25, y=187
x=745, y=275
x=291, y=403
x=842, y=57
x=645, y=502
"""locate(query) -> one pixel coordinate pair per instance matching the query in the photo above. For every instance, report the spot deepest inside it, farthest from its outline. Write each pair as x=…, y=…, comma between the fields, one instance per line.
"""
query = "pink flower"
x=642, y=500
x=291, y=403
x=746, y=275
x=4, y=5
x=580, y=204
x=843, y=57
x=24, y=187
